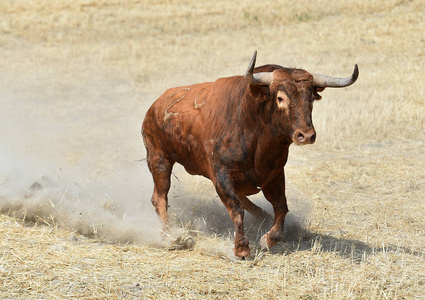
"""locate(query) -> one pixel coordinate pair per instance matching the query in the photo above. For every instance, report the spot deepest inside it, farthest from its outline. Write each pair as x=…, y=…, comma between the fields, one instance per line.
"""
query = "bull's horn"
x=321, y=80
x=264, y=78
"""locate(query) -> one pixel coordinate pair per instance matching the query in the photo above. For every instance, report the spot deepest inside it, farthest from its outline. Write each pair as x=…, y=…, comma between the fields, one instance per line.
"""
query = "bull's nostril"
x=300, y=137
x=313, y=138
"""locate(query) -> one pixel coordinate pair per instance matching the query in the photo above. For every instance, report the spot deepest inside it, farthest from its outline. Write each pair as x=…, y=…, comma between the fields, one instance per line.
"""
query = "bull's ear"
x=316, y=92
x=260, y=93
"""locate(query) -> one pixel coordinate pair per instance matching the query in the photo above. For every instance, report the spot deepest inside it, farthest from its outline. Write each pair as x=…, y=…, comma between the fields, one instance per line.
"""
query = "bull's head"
x=292, y=92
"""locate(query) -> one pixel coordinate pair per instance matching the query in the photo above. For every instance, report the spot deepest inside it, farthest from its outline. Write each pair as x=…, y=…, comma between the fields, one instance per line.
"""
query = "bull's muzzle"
x=304, y=137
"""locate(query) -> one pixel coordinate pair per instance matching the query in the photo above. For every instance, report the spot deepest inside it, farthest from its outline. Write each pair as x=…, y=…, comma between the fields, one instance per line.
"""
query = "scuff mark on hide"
x=168, y=114
x=196, y=99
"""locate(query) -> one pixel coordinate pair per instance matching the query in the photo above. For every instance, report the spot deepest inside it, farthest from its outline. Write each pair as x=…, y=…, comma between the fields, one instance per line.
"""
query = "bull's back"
x=174, y=126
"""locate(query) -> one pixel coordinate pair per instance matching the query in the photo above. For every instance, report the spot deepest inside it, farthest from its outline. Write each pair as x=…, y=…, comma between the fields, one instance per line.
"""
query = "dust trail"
x=72, y=159
x=110, y=209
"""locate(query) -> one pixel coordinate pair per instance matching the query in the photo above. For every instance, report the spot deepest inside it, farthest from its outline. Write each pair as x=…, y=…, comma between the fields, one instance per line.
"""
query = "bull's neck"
x=272, y=149
x=256, y=113
x=271, y=145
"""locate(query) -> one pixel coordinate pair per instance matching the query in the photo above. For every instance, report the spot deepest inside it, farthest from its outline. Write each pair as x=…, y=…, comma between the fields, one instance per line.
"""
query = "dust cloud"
x=109, y=208
x=74, y=156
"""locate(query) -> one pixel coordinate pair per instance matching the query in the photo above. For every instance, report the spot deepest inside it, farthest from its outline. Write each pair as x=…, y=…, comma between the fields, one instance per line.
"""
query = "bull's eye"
x=282, y=100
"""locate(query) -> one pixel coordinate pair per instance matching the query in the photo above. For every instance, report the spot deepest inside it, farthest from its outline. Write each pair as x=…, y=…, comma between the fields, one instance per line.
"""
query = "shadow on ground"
x=211, y=218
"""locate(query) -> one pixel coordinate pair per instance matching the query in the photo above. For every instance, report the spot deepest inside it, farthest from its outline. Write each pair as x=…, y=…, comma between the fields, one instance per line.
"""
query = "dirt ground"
x=76, y=78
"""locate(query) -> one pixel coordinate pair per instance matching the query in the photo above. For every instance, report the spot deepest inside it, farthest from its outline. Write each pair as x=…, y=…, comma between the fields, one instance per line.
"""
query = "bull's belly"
x=193, y=167
x=252, y=182
x=247, y=189
x=193, y=159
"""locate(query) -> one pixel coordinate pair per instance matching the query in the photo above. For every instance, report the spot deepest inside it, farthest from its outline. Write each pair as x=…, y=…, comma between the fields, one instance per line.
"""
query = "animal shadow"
x=355, y=250
x=211, y=218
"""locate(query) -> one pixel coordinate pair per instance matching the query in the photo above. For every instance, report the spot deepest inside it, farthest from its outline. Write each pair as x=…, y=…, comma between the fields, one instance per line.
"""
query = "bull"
x=235, y=131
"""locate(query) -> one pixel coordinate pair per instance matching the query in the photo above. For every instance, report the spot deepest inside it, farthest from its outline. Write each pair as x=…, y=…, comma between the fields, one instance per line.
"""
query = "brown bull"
x=235, y=131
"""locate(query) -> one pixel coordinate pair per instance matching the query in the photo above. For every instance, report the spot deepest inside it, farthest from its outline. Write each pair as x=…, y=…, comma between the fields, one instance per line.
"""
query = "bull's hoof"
x=185, y=242
x=242, y=254
x=180, y=243
x=263, y=243
x=266, y=243
x=177, y=240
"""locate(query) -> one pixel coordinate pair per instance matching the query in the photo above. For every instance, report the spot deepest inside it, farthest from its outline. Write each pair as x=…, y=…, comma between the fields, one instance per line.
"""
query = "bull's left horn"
x=264, y=78
x=321, y=80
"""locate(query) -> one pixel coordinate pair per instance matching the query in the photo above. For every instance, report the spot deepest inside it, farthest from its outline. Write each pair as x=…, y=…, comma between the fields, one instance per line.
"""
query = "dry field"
x=76, y=78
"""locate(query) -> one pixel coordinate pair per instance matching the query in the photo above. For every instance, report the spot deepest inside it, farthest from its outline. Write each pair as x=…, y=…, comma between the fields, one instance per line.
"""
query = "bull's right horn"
x=321, y=80
x=263, y=78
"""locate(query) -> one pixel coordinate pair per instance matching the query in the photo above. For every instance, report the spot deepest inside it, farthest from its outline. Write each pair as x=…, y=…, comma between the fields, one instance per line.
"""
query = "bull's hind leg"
x=258, y=213
x=160, y=168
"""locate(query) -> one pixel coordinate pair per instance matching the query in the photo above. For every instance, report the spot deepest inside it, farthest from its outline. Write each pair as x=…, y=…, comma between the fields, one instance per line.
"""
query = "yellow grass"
x=76, y=78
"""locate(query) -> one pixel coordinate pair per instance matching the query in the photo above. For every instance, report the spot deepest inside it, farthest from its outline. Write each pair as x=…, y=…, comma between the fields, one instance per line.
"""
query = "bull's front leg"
x=225, y=188
x=275, y=194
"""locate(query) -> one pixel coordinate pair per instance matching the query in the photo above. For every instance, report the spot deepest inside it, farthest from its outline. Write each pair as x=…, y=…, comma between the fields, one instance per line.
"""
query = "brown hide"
x=223, y=123
x=235, y=134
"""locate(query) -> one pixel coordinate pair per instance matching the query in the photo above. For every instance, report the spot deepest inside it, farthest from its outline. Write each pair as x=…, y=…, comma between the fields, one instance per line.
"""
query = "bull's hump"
x=184, y=100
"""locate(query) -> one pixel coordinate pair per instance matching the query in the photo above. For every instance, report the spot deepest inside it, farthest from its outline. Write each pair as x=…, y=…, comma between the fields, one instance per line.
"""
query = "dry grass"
x=50, y=262
x=82, y=73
